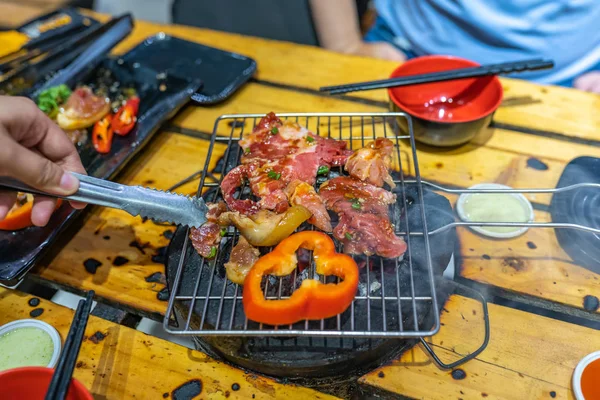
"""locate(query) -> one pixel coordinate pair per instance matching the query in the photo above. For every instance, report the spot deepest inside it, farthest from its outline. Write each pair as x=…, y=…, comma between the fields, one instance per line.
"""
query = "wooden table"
x=535, y=133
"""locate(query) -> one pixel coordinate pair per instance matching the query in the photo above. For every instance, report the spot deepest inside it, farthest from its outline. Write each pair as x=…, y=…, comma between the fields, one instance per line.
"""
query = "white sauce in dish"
x=25, y=347
x=501, y=207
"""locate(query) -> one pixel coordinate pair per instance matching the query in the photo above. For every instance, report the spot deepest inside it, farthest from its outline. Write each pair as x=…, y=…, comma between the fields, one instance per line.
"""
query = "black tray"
x=222, y=72
x=19, y=250
x=582, y=207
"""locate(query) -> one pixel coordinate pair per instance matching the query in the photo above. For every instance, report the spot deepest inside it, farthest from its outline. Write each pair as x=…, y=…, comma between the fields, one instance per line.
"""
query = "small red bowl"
x=446, y=113
x=32, y=383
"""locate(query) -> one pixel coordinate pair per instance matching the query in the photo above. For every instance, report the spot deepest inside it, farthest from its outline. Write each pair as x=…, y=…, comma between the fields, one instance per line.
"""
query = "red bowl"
x=450, y=112
x=32, y=383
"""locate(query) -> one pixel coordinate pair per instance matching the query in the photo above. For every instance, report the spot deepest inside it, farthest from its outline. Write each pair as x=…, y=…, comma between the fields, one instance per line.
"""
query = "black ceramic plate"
x=222, y=72
x=20, y=249
x=579, y=206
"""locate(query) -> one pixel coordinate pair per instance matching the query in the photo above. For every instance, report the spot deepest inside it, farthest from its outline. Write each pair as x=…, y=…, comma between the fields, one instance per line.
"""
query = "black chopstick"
x=61, y=379
x=461, y=73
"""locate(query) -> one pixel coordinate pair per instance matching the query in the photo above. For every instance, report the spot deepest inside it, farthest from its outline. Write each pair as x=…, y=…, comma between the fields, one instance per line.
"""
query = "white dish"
x=527, y=208
x=585, y=361
x=34, y=323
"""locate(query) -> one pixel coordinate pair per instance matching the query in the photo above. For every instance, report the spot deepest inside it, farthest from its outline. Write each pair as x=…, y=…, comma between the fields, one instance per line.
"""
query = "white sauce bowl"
x=34, y=323
x=527, y=208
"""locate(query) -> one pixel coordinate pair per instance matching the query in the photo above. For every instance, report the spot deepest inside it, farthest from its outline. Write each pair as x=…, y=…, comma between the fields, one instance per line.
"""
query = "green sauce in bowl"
x=25, y=347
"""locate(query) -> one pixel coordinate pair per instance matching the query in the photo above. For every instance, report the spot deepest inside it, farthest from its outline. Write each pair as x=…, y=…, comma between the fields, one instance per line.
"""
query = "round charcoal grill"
x=313, y=357
x=394, y=305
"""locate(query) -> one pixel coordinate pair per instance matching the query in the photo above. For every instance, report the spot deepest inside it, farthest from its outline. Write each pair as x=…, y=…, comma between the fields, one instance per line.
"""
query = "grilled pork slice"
x=371, y=163
x=274, y=154
x=242, y=258
x=206, y=238
x=364, y=226
x=301, y=193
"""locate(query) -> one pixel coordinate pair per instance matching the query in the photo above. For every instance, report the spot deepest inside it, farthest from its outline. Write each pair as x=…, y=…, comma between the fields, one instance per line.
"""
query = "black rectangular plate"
x=19, y=250
x=222, y=72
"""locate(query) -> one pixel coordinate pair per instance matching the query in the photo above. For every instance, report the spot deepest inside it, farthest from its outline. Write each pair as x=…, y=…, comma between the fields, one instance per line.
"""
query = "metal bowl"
x=447, y=113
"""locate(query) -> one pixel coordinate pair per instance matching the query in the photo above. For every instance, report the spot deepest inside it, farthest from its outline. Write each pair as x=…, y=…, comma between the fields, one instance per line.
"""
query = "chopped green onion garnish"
x=356, y=205
x=247, y=150
x=213, y=252
x=310, y=139
x=274, y=175
x=323, y=170
x=223, y=232
x=348, y=236
x=275, y=130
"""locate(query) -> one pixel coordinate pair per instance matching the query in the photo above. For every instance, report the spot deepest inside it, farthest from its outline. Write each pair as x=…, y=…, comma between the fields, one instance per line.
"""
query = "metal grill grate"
x=394, y=296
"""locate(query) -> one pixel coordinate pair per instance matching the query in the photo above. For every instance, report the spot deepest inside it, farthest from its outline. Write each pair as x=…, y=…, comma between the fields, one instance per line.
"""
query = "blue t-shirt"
x=491, y=31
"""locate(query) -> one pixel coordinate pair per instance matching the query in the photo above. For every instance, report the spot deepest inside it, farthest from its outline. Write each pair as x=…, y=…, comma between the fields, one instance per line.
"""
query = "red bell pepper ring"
x=313, y=300
x=102, y=135
x=126, y=117
x=20, y=217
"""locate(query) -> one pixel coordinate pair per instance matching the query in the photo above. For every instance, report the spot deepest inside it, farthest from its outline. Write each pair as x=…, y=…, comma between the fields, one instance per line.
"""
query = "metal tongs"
x=155, y=204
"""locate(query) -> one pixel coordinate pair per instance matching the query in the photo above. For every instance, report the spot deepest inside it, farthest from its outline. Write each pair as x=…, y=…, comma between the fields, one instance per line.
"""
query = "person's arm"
x=337, y=27
x=588, y=82
x=36, y=151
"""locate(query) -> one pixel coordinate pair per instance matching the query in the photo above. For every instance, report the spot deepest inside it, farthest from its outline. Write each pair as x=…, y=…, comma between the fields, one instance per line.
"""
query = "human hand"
x=36, y=151
x=589, y=82
x=382, y=50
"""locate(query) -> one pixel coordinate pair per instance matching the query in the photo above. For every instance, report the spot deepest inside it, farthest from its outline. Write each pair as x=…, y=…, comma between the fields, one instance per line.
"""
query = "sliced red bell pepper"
x=102, y=135
x=20, y=217
x=313, y=300
x=126, y=117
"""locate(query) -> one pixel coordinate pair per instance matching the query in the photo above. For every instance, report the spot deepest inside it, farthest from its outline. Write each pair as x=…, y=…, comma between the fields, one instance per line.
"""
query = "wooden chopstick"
x=59, y=385
x=461, y=73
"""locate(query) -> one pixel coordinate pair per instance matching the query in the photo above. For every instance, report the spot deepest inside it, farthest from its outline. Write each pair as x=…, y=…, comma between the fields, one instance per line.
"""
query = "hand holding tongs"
x=136, y=200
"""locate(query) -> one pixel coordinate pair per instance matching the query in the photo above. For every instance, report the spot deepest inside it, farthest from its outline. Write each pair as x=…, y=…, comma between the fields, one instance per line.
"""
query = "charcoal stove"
x=398, y=300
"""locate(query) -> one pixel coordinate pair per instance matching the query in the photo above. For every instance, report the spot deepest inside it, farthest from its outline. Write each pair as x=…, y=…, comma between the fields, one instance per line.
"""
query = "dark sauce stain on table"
x=531, y=245
x=381, y=374
x=159, y=257
x=120, y=260
x=163, y=295
x=36, y=312
x=97, y=337
x=141, y=247
x=168, y=234
x=458, y=374
x=148, y=182
x=514, y=263
x=188, y=390
x=486, y=257
x=157, y=277
x=106, y=237
x=439, y=165
x=484, y=395
x=91, y=265
x=553, y=394
x=591, y=303
x=535, y=163
x=165, y=395
x=227, y=394
x=235, y=387
x=34, y=302
x=80, y=364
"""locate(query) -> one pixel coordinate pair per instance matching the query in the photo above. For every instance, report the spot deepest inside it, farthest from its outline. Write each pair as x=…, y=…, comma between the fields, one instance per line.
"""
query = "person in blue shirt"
x=485, y=31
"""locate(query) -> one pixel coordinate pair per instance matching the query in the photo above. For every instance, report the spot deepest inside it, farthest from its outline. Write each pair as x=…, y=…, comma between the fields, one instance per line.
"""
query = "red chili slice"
x=102, y=135
x=126, y=117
